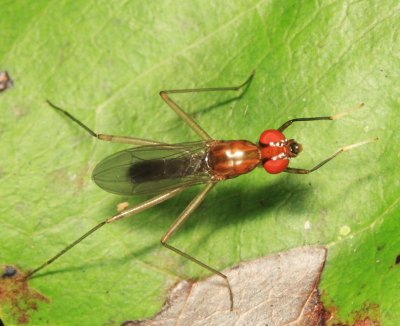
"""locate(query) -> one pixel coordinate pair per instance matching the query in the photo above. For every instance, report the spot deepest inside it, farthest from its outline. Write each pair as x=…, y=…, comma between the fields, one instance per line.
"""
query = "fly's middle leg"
x=178, y=223
x=186, y=117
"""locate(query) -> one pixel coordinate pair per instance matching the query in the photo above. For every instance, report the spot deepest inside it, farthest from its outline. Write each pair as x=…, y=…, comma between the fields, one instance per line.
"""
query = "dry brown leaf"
x=5, y=81
x=274, y=290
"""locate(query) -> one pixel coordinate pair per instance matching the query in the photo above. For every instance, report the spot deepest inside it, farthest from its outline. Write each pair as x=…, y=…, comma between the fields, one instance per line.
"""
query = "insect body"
x=156, y=168
x=165, y=170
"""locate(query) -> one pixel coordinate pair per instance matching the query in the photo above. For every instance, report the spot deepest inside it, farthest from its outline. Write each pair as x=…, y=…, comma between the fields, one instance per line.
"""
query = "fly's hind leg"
x=184, y=116
x=110, y=138
x=128, y=212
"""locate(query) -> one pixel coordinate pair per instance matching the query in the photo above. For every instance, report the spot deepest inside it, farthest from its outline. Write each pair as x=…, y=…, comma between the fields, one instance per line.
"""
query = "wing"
x=153, y=169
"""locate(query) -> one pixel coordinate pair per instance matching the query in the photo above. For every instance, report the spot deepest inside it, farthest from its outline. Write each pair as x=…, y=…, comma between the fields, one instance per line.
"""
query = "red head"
x=276, y=150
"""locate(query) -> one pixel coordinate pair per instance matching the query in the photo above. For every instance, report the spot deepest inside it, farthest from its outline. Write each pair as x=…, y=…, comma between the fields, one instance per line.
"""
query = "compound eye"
x=276, y=166
x=271, y=135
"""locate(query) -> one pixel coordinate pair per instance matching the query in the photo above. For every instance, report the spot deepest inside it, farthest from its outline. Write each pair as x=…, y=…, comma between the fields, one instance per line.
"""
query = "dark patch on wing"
x=153, y=169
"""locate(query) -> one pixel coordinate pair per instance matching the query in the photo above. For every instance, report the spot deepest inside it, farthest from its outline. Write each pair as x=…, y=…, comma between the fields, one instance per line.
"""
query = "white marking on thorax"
x=280, y=143
x=279, y=156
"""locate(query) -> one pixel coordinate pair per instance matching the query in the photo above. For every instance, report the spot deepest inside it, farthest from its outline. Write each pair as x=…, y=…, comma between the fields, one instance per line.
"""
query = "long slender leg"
x=111, y=138
x=128, y=212
x=184, y=116
x=178, y=223
x=340, y=150
x=333, y=117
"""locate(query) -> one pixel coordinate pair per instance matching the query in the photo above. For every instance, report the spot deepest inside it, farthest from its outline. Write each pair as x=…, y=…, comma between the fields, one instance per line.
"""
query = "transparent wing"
x=153, y=169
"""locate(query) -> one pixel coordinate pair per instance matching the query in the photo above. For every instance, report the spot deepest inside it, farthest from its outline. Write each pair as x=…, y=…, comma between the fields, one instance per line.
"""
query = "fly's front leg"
x=181, y=219
x=339, y=151
x=111, y=138
x=332, y=117
x=184, y=116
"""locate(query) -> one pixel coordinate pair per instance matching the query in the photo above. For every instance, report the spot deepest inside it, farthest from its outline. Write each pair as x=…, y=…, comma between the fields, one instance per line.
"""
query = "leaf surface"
x=105, y=62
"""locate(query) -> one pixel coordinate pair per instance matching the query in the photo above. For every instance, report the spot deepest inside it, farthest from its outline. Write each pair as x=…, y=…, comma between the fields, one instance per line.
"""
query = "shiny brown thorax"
x=229, y=159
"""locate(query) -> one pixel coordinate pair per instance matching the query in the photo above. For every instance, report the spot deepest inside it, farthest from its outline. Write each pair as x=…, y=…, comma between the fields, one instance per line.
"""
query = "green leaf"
x=105, y=62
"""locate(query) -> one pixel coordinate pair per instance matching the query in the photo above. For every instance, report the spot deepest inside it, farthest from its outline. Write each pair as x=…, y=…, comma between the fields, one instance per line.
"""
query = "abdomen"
x=159, y=169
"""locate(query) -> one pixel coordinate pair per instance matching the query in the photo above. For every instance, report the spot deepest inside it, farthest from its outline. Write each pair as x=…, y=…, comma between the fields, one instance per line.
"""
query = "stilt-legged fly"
x=165, y=170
